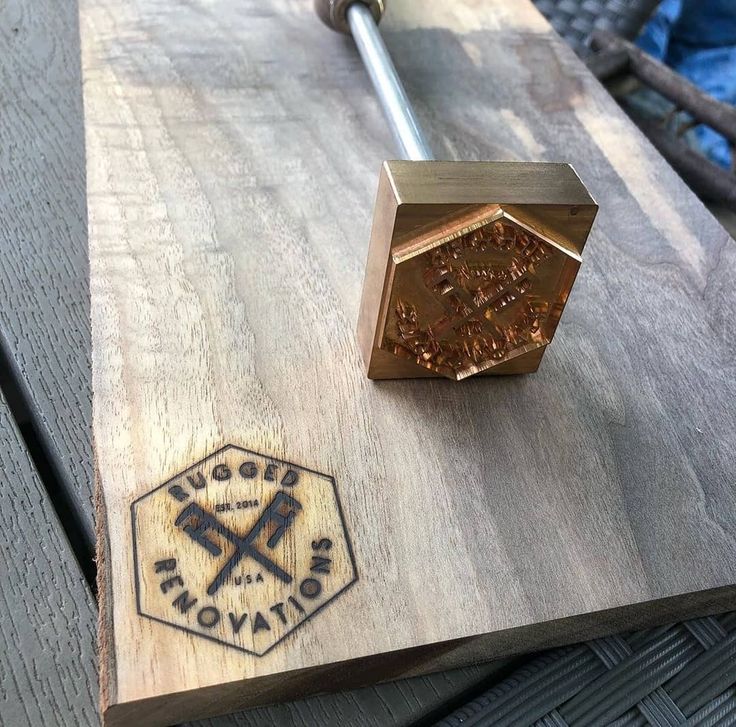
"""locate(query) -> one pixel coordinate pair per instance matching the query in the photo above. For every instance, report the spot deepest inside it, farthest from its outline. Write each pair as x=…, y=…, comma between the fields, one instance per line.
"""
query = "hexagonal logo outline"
x=567, y=260
x=353, y=569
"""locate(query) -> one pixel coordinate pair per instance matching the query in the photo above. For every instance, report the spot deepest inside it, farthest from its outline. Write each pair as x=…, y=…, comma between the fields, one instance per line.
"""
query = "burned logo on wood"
x=240, y=548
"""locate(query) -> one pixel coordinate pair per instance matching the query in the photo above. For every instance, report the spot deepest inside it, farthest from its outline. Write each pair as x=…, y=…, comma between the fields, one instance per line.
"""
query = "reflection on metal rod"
x=386, y=81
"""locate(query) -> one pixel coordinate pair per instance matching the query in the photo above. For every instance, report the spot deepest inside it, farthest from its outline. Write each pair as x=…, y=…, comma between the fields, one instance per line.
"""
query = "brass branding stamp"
x=470, y=266
x=240, y=548
x=486, y=295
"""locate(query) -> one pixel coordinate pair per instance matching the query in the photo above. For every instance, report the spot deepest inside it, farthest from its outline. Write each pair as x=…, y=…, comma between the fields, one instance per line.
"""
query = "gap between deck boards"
x=32, y=433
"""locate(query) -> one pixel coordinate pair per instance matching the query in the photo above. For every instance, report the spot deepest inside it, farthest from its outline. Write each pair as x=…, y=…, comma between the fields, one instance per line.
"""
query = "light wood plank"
x=44, y=325
x=232, y=160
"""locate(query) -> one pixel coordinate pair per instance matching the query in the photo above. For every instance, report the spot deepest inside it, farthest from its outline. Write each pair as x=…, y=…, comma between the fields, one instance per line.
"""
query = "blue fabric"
x=655, y=37
x=697, y=38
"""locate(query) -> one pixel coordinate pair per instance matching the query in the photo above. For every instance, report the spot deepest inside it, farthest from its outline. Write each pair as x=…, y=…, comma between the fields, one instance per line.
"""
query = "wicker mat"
x=575, y=20
x=674, y=675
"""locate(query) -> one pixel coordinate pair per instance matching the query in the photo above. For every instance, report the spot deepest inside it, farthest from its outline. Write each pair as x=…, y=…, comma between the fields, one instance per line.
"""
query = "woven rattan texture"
x=674, y=675
x=575, y=20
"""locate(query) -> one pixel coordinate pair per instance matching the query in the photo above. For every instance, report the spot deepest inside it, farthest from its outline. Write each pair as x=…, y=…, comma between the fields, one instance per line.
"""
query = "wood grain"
x=44, y=329
x=47, y=671
x=232, y=159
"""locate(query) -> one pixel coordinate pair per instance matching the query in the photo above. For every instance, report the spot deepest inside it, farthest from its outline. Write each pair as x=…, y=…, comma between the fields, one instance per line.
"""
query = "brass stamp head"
x=470, y=266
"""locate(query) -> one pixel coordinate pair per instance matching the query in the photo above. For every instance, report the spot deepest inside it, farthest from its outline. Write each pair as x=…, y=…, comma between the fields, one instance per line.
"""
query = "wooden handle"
x=333, y=12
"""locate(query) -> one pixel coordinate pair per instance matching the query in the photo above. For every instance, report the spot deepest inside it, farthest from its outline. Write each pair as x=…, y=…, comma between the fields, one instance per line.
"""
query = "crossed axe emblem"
x=279, y=515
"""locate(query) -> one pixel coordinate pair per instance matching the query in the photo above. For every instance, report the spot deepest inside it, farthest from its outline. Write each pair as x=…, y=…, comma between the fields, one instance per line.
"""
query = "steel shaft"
x=390, y=91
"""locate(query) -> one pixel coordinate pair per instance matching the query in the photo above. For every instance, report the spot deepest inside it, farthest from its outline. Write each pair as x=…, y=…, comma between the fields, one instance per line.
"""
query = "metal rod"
x=389, y=89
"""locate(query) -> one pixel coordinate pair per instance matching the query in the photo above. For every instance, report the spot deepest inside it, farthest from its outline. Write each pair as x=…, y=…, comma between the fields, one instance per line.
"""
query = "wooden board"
x=44, y=332
x=47, y=672
x=232, y=161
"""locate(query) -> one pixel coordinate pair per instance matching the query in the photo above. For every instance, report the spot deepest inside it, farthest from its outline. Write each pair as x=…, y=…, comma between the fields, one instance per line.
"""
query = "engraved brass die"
x=470, y=266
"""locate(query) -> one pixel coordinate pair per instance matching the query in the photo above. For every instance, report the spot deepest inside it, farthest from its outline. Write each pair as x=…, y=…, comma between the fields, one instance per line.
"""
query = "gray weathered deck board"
x=44, y=295
x=44, y=331
x=47, y=614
